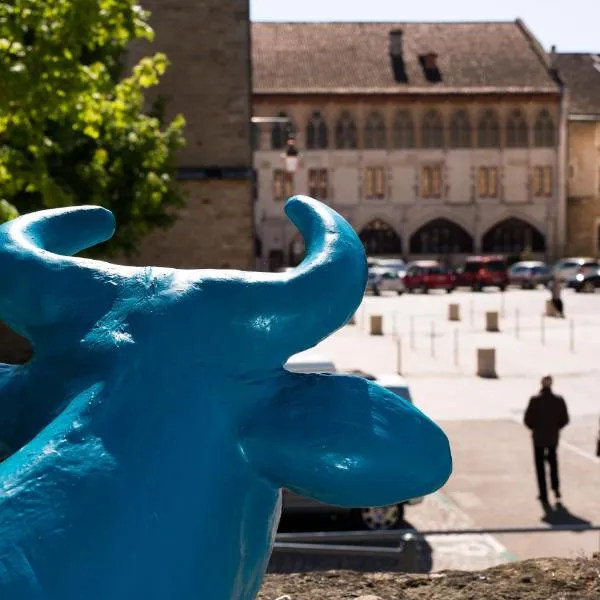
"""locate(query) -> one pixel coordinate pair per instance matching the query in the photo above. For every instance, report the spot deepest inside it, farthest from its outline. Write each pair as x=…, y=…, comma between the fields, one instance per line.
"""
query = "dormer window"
x=430, y=67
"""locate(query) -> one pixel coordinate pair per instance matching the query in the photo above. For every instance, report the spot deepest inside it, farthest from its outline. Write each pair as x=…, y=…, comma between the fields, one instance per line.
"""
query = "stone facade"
x=402, y=206
x=208, y=45
x=583, y=208
x=500, y=182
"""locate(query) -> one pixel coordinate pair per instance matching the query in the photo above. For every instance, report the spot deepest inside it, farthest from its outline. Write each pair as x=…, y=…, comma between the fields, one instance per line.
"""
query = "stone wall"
x=208, y=45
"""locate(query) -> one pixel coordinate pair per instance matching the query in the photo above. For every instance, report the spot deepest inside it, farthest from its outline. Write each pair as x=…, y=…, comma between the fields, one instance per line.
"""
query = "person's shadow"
x=559, y=515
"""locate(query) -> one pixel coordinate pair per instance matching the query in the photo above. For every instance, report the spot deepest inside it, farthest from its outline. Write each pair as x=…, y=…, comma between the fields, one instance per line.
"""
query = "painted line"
x=567, y=445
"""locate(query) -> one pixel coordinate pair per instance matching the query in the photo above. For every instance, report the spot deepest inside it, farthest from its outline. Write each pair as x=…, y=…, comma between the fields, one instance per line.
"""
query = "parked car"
x=397, y=264
x=568, y=268
x=382, y=279
x=588, y=281
x=529, y=274
x=425, y=275
x=480, y=272
x=382, y=517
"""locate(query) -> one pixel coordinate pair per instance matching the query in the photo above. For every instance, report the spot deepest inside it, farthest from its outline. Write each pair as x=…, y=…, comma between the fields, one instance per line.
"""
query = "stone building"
x=209, y=82
x=580, y=73
x=432, y=139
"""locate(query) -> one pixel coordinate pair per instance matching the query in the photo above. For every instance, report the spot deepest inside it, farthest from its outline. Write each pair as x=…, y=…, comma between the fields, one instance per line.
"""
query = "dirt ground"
x=540, y=579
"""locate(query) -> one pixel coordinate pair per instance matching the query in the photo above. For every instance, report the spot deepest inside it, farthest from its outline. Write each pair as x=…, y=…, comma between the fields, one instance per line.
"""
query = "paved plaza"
x=493, y=484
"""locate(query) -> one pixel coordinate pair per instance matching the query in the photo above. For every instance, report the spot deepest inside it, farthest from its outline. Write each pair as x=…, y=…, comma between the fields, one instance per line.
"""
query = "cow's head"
x=340, y=439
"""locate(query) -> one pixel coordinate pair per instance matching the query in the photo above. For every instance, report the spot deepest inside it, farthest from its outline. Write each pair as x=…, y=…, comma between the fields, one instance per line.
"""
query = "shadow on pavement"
x=416, y=556
x=560, y=515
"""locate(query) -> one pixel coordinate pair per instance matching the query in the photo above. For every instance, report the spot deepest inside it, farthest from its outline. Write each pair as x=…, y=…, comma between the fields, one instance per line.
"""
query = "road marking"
x=567, y=445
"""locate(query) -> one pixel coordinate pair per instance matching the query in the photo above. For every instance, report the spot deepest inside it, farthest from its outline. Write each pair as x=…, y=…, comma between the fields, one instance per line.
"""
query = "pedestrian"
x=545, y=416
x=556, y=289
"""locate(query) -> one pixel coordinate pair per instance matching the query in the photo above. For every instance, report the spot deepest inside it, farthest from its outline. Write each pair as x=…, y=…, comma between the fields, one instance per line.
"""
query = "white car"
x=383, y=279
x=567, y=269
x=382, y=517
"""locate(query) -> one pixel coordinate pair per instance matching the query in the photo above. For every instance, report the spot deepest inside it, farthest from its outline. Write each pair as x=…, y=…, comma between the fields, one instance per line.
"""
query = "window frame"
x=317, y=132
x=375, y=183
x=487, y=182
x=432, y=131
x=543, y=181
x=488, y=130
x=346, y=131
x=403, y=130
x=283, y=185
x=375, y=132
x=430, y=175
x=318, y=183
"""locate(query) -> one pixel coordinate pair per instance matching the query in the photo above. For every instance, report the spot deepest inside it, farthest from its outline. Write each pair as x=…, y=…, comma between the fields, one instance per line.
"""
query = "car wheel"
x=476, y=287
x=376, y=291
x=588, y=287
x=409, y=290
x=400, y=292
x=384, y=517
x=502, y=288
x=424, y=289
x=449, y=290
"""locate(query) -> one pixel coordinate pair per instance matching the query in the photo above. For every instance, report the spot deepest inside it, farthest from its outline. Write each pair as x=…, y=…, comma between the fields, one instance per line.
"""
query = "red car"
x=425, y=275
x=480, y=272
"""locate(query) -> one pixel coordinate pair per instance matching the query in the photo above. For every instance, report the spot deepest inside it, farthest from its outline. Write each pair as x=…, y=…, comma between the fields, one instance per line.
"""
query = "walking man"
x=555, y=290
x=546, y=415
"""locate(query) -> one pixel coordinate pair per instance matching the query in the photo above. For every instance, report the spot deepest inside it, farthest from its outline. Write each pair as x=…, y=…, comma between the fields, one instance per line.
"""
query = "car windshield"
x=436, y=271
x=495, y=265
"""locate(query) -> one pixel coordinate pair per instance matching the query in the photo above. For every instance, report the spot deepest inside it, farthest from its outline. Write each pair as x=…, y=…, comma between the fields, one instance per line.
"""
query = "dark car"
x=425, y=275
x=480, y=272
x=586, y=282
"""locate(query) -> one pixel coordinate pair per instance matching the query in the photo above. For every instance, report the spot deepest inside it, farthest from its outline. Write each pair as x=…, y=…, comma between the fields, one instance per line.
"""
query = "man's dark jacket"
x=546, y=415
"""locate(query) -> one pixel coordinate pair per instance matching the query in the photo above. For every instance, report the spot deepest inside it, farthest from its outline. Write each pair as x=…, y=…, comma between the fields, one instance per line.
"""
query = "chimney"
x=397, y=55
x=396, y=49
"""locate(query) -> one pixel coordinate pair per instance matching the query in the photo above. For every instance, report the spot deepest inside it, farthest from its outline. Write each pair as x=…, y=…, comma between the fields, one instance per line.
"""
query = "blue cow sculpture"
x=155, y=426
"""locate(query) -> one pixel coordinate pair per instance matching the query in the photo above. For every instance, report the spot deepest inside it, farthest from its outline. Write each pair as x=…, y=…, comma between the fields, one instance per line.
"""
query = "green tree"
x=72, y=126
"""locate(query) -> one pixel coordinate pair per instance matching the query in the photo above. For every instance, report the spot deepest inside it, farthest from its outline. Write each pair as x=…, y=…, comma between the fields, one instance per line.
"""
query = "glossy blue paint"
x=154, y=427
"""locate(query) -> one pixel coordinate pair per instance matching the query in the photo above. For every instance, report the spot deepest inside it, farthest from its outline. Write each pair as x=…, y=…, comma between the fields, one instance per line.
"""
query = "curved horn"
x=298, y=309
x=38, y=283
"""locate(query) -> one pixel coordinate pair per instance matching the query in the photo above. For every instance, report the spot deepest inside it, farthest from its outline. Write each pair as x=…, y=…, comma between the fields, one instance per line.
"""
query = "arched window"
x=517, y=133
x=488, y=131
x=280, y=132
x=432, y=130
x=460, y=130
x=345, y=132
x=375, y=134
x=403, y=135
x=441, y=236
x=513, y=236
x=316, y=132
x=544, y=130
x=379, y=239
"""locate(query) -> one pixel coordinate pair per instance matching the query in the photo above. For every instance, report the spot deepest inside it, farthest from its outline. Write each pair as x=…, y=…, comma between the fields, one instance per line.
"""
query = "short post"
x=456, y=353
x=412, y=332
x=432, y=338
x=491, y=321
x=376, y=325
x=486, y=363
x=572, y=335
x=550, y=310
x=517, y=323
x=399, y=355
x=454, y=312
x=543, y=329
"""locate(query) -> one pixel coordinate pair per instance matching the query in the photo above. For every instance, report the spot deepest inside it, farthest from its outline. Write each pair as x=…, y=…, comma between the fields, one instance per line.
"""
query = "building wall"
x=209, y=82
x=403, y=207
x=583, y=207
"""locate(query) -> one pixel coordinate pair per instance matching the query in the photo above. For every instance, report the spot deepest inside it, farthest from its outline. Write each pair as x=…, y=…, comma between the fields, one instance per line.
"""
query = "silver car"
x=567, y=269
x=382, y=279
x=529, y=274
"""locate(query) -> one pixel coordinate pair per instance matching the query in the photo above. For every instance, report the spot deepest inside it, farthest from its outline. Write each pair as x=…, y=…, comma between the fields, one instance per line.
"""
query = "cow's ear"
x=346, y=441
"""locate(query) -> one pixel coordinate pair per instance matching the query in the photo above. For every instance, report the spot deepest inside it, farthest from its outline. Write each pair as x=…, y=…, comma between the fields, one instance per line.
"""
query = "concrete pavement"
x=493, y=484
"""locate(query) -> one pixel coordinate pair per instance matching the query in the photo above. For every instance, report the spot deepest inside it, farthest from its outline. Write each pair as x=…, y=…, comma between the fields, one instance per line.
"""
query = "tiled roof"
x=354, y=58
x=581, y=75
